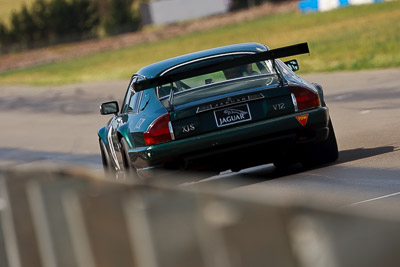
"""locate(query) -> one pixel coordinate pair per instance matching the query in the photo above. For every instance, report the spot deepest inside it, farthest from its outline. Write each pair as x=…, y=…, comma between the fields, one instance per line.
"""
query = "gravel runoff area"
x=67, y=51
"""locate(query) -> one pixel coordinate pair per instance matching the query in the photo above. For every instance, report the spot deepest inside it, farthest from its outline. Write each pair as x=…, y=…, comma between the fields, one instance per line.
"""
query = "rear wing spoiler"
x=286, y=51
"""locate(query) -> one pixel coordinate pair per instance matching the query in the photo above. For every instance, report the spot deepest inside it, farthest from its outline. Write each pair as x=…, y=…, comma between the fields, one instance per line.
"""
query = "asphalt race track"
x=47, y=125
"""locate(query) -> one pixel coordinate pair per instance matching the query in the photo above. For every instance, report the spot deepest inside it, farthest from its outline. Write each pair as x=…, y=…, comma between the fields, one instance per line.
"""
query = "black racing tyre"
x=129, y=170
x=282, y=164
x=105, y=159
x=286, y=159
x=322, y=152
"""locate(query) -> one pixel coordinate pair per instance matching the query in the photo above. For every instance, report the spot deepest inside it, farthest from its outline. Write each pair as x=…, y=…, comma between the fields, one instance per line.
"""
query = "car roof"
x=155, y=69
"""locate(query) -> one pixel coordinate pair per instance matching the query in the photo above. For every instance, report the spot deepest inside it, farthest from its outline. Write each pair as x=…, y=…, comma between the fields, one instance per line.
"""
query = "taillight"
x=159, y=131
x=304, y=98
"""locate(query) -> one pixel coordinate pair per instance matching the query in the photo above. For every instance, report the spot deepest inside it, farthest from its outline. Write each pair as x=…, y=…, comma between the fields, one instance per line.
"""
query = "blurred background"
x=101, y=34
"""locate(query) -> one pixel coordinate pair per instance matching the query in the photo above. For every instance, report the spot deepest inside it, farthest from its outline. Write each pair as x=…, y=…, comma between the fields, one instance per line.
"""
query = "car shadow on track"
x=362, y=153
x=263, y=173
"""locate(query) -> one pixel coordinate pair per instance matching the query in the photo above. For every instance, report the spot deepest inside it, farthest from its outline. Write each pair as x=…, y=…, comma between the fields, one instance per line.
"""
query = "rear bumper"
x=245, y=145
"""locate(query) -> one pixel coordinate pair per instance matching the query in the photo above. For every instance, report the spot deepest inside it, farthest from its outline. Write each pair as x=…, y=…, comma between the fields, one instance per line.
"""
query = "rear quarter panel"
x=150, y=109
x=102, y=133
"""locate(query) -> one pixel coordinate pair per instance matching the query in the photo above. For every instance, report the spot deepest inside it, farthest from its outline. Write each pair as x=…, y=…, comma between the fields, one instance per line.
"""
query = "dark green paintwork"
x=102, y=133
x=229, y=135
x=197, y=135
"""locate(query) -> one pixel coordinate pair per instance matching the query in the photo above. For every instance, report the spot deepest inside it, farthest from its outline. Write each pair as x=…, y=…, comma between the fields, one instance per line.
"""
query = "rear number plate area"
x=232, y=115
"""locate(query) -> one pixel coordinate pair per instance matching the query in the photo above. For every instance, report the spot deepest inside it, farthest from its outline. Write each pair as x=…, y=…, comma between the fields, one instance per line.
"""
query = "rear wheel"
x=105, y=159
x=130, y=171
x=286, y=158
x=282, y=164
x=323, y=152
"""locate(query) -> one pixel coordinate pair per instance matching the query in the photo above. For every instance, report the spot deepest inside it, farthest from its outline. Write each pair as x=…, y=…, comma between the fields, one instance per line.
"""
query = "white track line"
x=372, y=199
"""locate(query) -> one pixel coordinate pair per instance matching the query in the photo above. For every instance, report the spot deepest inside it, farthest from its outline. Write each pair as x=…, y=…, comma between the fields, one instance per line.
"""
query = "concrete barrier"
x=71, y=218
x=18, y=230
x=98, y=226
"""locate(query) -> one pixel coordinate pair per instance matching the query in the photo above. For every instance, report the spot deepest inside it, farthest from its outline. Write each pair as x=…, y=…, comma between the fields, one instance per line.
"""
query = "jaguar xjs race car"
x=230, y=107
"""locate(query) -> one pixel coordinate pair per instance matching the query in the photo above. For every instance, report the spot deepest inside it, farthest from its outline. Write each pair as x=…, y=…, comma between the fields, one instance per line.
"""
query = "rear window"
x=210, y=79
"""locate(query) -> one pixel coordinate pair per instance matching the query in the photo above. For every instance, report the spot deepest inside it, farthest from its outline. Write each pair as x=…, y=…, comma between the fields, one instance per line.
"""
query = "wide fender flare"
x=102, y=133
x=320, y=92
x=124, y=132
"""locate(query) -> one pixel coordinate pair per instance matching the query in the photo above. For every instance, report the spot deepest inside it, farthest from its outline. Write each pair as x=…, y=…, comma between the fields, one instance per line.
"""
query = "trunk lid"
x=229, y=109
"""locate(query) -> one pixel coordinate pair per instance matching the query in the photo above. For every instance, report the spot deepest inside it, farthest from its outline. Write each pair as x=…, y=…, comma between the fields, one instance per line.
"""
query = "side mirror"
x=109, y=108
x=292, y=64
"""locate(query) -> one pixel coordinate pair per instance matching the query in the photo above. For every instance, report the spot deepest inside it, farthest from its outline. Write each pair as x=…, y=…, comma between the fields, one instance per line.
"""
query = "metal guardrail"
x=74, y=219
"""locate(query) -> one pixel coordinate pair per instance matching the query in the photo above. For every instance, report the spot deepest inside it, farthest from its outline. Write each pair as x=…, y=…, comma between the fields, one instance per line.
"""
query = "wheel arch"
x=102, y=134
x=124, y=132
x=320, y=92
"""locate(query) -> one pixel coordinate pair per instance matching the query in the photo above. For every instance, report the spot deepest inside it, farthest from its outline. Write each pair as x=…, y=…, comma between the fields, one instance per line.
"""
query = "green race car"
x=230, y=107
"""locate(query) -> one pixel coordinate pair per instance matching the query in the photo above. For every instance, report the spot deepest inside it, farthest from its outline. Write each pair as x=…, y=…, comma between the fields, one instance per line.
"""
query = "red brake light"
x=304, y=98
x=159, y=131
